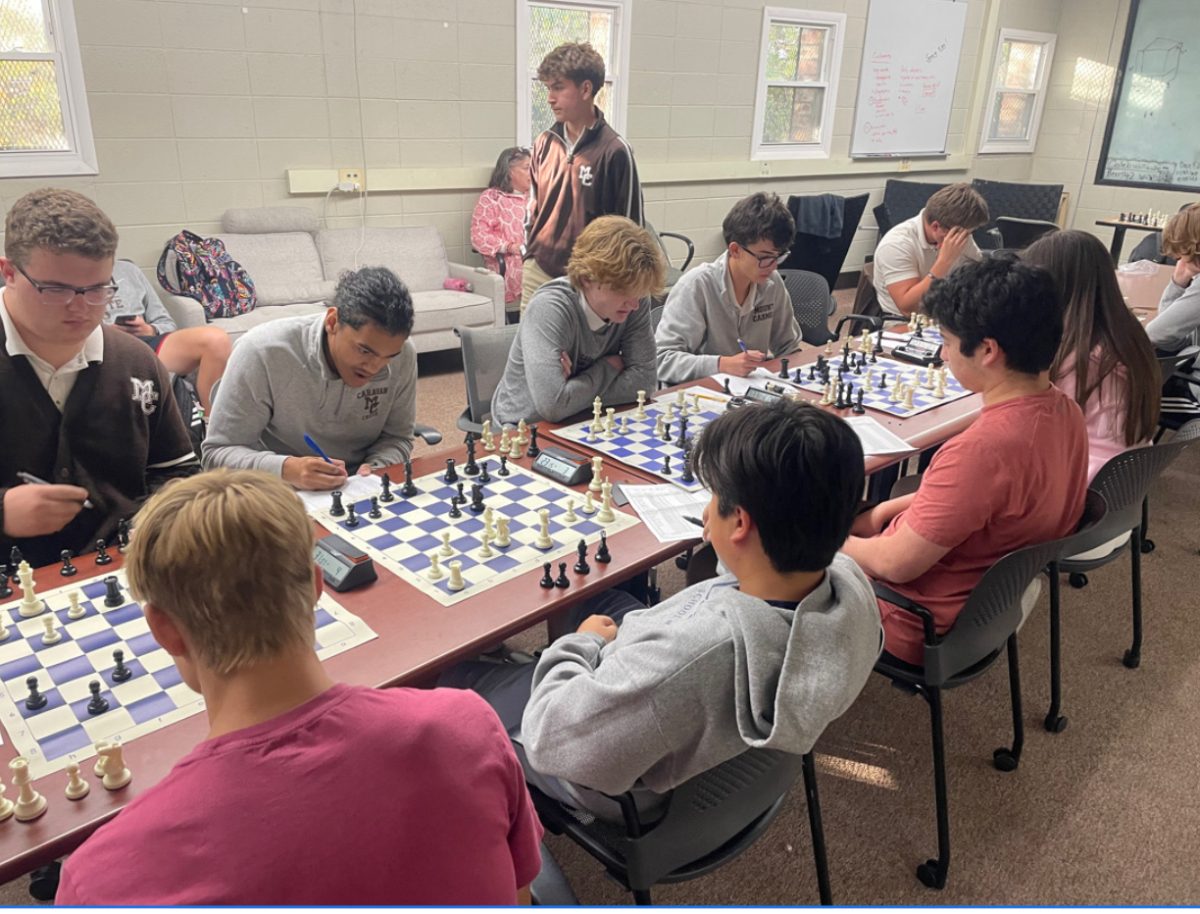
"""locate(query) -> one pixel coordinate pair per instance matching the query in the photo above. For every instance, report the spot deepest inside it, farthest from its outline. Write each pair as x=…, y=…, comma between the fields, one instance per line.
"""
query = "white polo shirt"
x=59, y=382
x=905, y=253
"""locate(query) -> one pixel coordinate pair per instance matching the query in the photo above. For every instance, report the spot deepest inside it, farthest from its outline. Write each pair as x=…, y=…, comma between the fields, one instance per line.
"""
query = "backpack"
x=202, y=269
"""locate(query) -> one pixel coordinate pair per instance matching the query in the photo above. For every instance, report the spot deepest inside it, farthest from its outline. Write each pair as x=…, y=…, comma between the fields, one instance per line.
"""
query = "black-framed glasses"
x=60, y=296
x=767, y=260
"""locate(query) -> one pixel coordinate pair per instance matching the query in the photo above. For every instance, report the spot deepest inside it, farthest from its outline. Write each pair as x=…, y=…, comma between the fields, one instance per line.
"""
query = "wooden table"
x=1143, y=291
x=1119, y=227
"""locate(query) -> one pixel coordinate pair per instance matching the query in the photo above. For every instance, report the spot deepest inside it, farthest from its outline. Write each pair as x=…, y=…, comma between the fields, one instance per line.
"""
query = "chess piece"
x=659, y=426
x=471, y=468
x=445, y=549
x=939, y=386
x=908, y=396
x=543, y=540
x=533, y=450
x=562, y=581
x=602, y=555
x=783, y=369
x=514, y=449
x=582, y=567
x=688, y=476
x=477, y=504
x=6, y=805
x=14, y=562
x=608, y=422
x=485, y=551
x=351, y=518
x=5, y=590
x=454, y=513
x=98, y=768
x=30, y=605
x=606, y=512
x=77, y=787
x=858, y=403
x=122, y=534
x=102, y=556
x=502, y=537
x=98, y=703
x=75, y=610
x=570, y=517
x=589, y=504
x=458, y=498
x=623, y=426
x=30, y=804
x=385, y=489
x=116, y=775
x=547, y=581
x=728, y=392
x=484, y=476
x=503, y=471
x=456, y=582
x=641, y=405
x=597, y=473
x=522, y=433
x=665, y=469
x=435, y=569
x=450, y=476
x=51, y=634
x=486, y=435
x=489, y=520
x=408, y=490
x=120, y=673
x=374, y=513
x=36, y=700
x=335, y=508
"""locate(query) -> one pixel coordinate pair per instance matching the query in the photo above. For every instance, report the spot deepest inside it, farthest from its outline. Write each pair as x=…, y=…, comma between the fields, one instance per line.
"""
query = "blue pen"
x=316, y=448
x=742, y=345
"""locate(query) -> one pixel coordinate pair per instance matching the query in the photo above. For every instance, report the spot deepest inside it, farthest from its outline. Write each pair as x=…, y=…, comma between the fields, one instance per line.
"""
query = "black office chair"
x=1018, y=234
x=550, y=888
x=901, y=200
x=811, y=303
x=986, y=627
x=709, y=821
x=1017, y=199
x=484, y=355
x=825, y=256
x=673, y=272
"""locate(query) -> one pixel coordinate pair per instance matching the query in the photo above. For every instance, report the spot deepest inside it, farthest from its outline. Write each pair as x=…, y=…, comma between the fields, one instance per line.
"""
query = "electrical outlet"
x=904, y=165
x=355, y=177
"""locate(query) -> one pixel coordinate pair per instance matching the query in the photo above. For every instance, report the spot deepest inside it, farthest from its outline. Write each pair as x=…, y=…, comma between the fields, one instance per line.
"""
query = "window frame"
x=989, y=145
x=835, y=23
x=616, y=70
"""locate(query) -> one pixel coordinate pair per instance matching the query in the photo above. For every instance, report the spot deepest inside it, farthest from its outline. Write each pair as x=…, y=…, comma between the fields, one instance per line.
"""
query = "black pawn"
x=477, y=504
x=351, y=517
x=68, y=570
x=858, y=407
x=471, y=468
x=14, y=561
x=797, y=375
x=547, y=581
x=812, y=372
x=533, y=450
x=98, y=704
x=102, y=556
x=602, y=555
x=687, y=476
x=385, y=489
x=5, y=590
x=883, y=381
x=562, y=580
x=409, y=490
x=454, y=512
x=336, y=508
x=112, y=592
x=582, y=567
x=36, y=699
x=122, y=534
x=459, y=498
x=450, y=477
x=727, y=390
x=783, y=369
x=665, y=469
x=503, y=471
x=374, y=513
x=120, y=673
x=484, y=476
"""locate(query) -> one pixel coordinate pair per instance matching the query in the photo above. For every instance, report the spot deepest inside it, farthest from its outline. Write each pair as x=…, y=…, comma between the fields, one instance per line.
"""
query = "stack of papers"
x=665, y=510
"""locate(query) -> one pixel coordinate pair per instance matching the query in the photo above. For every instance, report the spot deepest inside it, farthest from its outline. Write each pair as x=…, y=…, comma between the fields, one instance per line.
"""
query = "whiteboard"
x=906, y=84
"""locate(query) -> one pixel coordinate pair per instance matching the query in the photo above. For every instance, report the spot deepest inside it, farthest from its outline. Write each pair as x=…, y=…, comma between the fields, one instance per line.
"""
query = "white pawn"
x=116, y=775
x=30, y=804
x=77, y=787
x=681, y=401
x=543, y=540
x=445, y=549
x=939, y=387
x=606, y=512
x=622, y=426
x=51, y=635
x=6, y=805
x=589, y=504
x=502, y=537
x=435, y=569
x=695, y=404
x=504, y=440
x=98, y=769
x=485, y=551
x=597, y=472
x=641, y=406
x=456, y=579
x=570, y=517
x=76, y=611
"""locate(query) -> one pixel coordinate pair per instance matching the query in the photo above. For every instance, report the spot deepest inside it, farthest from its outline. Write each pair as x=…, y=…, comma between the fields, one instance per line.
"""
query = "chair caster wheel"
x=1132, y=660
x=1147, y=547
x=1055, y=724
x=681, y=561
x=1004, y=760
x=43, y=882
x=1077, y=580
x=931, y=876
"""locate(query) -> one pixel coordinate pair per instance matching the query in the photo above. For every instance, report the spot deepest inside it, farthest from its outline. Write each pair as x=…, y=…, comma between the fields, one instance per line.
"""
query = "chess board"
x=410, y=529
x=880, y=399
x=637, y=446
x=63, y=731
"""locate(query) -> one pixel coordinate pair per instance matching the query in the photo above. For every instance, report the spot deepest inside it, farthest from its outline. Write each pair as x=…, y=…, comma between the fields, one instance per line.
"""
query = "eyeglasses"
x=61, y=296
x=767, y=260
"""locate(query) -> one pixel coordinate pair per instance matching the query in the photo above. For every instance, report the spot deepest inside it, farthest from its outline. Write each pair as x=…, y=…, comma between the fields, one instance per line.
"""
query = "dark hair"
x=957, y=206
x=374, y=294
x=760, y=215
x=577, y=61
x=502, y=174
x=795, y=469
x=1001, y=298
x=1095, y=316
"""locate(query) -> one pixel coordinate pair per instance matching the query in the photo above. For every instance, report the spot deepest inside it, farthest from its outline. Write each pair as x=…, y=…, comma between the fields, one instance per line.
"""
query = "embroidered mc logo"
x=371, y=403
x=585, y=175
x=144, y=394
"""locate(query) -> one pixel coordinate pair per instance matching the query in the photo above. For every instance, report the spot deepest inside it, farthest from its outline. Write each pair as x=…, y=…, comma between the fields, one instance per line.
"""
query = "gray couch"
x=295, y=264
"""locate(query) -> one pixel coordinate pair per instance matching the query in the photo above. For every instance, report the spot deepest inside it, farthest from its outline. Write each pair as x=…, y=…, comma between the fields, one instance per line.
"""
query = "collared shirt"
x=594, y=321
x=59, y=382
x=731, y=295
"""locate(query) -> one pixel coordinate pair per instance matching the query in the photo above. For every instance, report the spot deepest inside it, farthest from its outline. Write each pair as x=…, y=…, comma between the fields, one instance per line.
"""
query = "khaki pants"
x=531, y=280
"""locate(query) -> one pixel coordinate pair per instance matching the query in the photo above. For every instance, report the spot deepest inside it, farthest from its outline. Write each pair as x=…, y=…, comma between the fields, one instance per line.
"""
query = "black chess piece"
x=374, y=513
x=547, y=581
x=351, y=518
x=783, y=369
x=839, y=401
x=120, y=673
x=336, y=509
x=459, y=498
x=687, y=476
x=450, y=476
x=113, y=595
x=728, y=392
x=582, y=567
x=409, y=490
x=36, y=699
x=798, y=376
x=484, y=476
x=812, y=372
x=102, y=556
x=477, y=504
x=665, y=469
x=858, y=406
x=454, y=512
x=471, y=468
x=562, y=580
x=98, y=704
x=14, y=562
x=5, y=590
x=385, y=489
x=68, y=570
x=122, y=534
x=883, y=381
x=602, y=554
x=503, y=471
x=533, y=450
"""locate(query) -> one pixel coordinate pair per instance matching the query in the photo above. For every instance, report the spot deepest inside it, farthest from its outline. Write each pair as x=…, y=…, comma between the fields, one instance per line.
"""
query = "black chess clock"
x=919, y=351
x=343, y=566
x=563, y=466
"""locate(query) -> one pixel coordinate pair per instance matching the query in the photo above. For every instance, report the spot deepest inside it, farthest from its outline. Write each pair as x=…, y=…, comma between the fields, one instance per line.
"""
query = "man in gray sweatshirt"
x=586, y=335
x=346, y=378
x=731, y=314
x=762, y=657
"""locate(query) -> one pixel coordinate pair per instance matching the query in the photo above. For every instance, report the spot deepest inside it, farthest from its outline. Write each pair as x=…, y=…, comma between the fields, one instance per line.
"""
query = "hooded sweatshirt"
x=699, y=679
x=278, y=387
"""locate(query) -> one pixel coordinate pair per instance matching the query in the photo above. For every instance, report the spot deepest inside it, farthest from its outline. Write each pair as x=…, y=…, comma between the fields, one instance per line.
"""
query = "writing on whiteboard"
x=933, y=55
x=893, y=89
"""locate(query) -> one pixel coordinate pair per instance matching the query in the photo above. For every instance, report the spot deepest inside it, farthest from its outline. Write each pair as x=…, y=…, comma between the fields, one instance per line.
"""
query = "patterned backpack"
x=202, y=269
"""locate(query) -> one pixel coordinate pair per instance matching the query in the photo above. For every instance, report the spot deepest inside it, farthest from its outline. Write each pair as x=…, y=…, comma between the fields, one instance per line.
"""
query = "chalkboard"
x=906, y=84
x=1152, y=138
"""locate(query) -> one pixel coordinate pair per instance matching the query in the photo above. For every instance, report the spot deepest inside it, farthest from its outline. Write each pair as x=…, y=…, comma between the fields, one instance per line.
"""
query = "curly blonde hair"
x=576, y=62
x=59, y=220
x=1181, y=237
x=618, y=253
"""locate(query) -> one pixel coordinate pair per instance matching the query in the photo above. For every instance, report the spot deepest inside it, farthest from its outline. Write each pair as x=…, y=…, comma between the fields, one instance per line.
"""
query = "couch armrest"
x=486, y=283
x=185, y=312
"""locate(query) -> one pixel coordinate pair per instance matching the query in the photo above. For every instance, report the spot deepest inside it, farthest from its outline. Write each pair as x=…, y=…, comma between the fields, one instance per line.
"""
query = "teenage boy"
x=581, y=168
x=84, y=407
x=585, y=335
x=929, y=246
x=731, y=314
x=762, y=657
x=1015, y=477
x=305, y=791
x=347, y=379
x=1179, y=309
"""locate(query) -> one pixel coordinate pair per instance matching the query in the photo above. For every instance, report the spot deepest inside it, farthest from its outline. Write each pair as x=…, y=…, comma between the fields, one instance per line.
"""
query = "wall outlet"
x=355, y=177
x=904, y=165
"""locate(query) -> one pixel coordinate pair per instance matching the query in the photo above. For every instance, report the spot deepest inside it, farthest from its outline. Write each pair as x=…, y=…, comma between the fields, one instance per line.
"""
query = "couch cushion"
x=278, y=262
x=414, y=253
x=236, y=326
x=443, y=310
x=293, y=292
x=262, y=219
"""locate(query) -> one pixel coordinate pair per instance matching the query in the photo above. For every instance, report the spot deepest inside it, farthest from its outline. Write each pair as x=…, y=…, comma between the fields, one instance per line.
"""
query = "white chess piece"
x=514, y=450
x=446, y=549
x=30, y=804
x=623, y=426
x=597, y=472
x=76, y=611
x=681, y=400
x=30, y=605
x=597, y=408
x=116, y=775
x=488, y=443
x=908, y=396
x=77, y=787
x=939, y=387
x=6, y=805
x=456, y=579
x=589, y=504
x=98, y=768
x=489, y=520
x=543, y=540
x=570, y=517
x=485, y=551
x=606, y=512
x=51, y=635
x=609, y=425
x=435, y=569
x=502, y=537
x=641, y=406
x=504, y=440
x=523, y=433
x=660, y=425
x=695, y=404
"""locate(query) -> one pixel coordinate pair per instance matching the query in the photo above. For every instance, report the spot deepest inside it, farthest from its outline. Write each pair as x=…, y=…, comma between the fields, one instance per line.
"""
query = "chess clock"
x=761, y=395
x=920, y=351
x=562, y=466
x=343, y=566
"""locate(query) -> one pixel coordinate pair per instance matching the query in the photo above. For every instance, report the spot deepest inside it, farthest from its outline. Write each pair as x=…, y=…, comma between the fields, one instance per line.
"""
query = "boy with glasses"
x=731, y=314
x=84, y=407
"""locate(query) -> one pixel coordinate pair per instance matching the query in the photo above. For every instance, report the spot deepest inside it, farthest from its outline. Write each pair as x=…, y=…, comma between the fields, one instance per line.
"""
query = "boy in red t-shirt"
x=306, y=791
x=1017, y=476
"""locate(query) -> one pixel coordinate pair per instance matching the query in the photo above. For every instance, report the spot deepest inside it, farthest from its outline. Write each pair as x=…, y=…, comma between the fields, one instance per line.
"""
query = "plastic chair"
x=673, y=272
x=825, y=256
x=1017, y=234
x=986, y=627
x=901, y=200
x=709, y=821
x=811, y=303
x=484, y=355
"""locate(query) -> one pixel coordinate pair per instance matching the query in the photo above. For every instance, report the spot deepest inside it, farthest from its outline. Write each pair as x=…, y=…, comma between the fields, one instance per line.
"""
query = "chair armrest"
x=501, y=265
x=486, y=283
x=427, y=433
x=185, y=312
x=686, y=240
x=871, y=320
x=904, y=603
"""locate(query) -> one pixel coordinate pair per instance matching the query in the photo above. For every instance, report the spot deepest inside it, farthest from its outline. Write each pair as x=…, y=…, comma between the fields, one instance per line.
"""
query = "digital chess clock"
x=343, y=566
x=920, y=351
x=563, y=466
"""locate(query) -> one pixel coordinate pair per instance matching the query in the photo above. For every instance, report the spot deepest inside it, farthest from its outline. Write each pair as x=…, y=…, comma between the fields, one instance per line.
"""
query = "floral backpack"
x=202, y=269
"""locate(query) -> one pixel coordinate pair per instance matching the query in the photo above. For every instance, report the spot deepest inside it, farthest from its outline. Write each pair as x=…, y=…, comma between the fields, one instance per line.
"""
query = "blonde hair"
x=228, y=556
x=957, y=206
x=59, y=220
x=1181, y=236
x=618, y=253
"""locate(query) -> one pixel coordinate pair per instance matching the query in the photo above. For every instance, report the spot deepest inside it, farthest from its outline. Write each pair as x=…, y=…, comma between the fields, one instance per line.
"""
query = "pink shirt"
x=360, y=796
x=1103, y=413
x=1015, y=477
x=498, y=224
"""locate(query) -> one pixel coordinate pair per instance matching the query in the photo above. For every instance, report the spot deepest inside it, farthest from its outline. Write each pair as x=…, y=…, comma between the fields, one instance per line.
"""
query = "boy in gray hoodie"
x=762, y=657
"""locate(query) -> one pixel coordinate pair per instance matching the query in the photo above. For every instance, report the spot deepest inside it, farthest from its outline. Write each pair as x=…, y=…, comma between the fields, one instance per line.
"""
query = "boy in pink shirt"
x=1017, y=476
x=306, y=792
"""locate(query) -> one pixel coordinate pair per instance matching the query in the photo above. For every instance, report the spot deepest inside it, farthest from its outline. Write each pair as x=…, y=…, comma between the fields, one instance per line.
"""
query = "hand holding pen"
x=741, y=364
x=320, y=473
x=39, y=508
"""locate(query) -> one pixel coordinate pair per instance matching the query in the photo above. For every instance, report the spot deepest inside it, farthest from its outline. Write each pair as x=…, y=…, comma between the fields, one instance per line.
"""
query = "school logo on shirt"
x=585, y=175
x=370, y=401
x=761, y=313
x=144, y=394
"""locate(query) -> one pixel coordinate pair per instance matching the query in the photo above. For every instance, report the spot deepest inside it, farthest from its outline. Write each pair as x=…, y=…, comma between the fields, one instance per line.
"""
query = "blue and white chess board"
x=876, y=381
x=410, y=530
x=62, y=731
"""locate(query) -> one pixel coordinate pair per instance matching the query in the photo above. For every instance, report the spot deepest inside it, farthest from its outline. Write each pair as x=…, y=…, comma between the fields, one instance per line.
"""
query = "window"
x=44, y=124
x=543, y=26
x=798, y=69
x=1018, y=91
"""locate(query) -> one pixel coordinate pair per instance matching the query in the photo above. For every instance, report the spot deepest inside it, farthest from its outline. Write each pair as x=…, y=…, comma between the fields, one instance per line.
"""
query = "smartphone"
x=126, y=318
